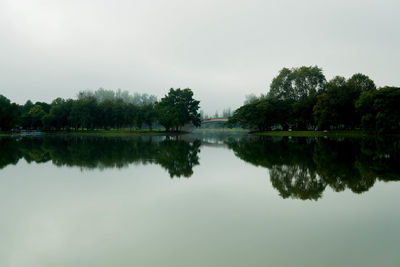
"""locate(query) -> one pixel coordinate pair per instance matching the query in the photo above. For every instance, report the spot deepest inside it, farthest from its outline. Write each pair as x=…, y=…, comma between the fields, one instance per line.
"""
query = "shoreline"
x=125, y=132
x=335, y=133
x=99, y=133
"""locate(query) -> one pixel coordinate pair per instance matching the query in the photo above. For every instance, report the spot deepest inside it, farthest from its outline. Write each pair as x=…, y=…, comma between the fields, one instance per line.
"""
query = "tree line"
x=103, y=109
x=302, y=99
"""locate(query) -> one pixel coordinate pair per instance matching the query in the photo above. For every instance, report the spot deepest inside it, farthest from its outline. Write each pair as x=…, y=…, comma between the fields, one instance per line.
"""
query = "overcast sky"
x=222, y=49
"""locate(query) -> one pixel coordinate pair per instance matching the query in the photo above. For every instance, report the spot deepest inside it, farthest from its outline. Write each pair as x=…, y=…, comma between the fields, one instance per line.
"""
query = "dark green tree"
x=297, y=83
x=361, y=83
x=335, y=108
x=262, y=114
x=380, y=109
x=84, y=113
x=58, y=116
x=149, y=114
x=9, y=114
x=34, y=117
x=178, y=108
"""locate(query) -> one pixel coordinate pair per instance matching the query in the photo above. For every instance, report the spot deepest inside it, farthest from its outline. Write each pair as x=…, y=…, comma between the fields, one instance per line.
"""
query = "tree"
x=330, y=103
x=263, y=113
x=118, y=112
x=27, y=106
x=149, y=115
x=36, y=113
x=336, y=107
x=58, y=115
x=106, y=110
x=361, y=83
x=84, y=113
x=248, y=116
x=380, y=109
x=297, y=83
x=9, y=114
x=178, y=108
x=323, y=114
x=301, y=86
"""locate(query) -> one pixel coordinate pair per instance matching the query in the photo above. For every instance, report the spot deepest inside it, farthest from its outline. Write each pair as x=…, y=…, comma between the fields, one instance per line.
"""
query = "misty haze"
x=199, y=133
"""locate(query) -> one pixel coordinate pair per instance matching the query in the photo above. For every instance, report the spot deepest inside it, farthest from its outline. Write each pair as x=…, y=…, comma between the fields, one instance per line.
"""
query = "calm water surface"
x=199, y=200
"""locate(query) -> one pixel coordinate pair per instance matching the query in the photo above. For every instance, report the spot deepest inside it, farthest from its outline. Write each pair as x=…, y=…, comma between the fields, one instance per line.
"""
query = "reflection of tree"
x=296, y=182
x=380, y=157
x=336, y=163
x=178, y=157
x=302, y=168
x=9, y=152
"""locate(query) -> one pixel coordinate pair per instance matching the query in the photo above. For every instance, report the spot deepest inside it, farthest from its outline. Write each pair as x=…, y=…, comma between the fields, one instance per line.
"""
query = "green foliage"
x=323, y=113
x=302, y=112
x=361, y=83
x=58, y=115
x=335, y=108
x=289, y=103
x=104, y=109
x=177, y=109
x=149, y=114
x=380, y=109
x=9, y=114
x=262, y=114
x=301, y=99
x=33, y=119
x=297, y=83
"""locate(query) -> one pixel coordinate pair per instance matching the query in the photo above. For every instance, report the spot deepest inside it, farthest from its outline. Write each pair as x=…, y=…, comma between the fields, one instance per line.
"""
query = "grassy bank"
x=113, y=132
x=354, y=133
x=121, y=132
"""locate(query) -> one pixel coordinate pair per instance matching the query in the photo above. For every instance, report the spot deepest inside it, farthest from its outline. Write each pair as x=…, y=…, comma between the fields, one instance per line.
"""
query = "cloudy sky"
x=222, y=49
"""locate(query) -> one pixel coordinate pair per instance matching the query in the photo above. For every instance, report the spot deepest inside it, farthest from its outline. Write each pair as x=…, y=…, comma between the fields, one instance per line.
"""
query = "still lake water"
x=199, y=200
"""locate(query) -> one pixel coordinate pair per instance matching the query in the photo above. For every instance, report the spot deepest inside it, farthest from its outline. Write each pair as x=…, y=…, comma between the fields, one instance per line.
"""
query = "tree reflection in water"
x=299, y=168
x=177, y=157
x=302, y=168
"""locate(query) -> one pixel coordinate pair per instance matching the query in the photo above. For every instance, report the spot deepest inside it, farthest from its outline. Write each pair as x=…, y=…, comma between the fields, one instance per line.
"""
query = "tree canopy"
x=297, y=83
x=300, y=98
x=8, y=113
x=178, y=108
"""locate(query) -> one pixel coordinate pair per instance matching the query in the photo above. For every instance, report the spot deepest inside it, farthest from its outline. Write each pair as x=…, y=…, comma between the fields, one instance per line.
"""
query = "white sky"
x=222, y=49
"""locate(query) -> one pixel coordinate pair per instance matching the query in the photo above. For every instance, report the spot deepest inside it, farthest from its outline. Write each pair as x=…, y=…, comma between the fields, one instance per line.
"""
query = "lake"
x=199, y=200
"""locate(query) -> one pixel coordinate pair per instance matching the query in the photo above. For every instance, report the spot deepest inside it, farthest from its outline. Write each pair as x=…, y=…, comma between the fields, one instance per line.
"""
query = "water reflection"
x=176, y=156
x=303, y=167
x=299, y=168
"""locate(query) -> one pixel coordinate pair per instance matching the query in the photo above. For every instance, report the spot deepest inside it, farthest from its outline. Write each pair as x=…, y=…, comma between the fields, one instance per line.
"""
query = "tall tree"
x=297, y=83
x=361, y=83
x=177, y=108
x=336, y=107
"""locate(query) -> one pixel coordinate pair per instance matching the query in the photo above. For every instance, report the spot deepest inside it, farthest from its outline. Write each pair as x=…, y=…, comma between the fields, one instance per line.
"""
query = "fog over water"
x=221, y=49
